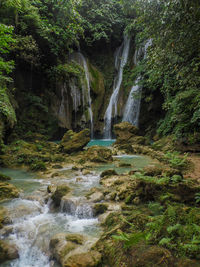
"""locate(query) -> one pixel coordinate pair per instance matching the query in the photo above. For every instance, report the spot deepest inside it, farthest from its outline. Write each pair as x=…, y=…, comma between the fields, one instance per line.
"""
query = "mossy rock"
x=60, y=247
x=110, y=172
x=8, y=191
x=73, y=142
x=7, y=251
x=152, y=171
x=38, y=166
x=124, y=132
x=99, y=154
x=60, y=192
x=89, y=259
x=4, y=177
x=100, y=208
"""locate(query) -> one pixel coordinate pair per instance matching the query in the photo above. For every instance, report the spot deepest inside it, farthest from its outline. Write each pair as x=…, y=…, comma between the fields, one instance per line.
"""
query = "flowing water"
x=34, y=222
x=121, y=57
x=132, y=107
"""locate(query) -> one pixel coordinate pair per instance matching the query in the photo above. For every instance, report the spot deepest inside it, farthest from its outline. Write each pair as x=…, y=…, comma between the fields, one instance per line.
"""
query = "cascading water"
x=33, y=223
x=132, y=107
x=121, y=57
x=86, y=97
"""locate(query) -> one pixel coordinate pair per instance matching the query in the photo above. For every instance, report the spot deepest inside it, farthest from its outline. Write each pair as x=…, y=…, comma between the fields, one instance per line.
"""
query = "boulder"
x=60, y=247
x=60, y=192
x=73, y=142
x=89, y=259
x=8, y=191
x=99, y=154
x=124, y=131
x=7, y=251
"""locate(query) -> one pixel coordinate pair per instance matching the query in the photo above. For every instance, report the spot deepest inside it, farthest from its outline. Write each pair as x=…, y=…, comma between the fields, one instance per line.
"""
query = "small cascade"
x=132, y=107
x=86, y=97
x=121, y=57
x=74, y=207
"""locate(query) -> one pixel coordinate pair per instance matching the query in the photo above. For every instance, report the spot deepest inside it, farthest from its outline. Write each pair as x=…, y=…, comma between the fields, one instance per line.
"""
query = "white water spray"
x=121, y=57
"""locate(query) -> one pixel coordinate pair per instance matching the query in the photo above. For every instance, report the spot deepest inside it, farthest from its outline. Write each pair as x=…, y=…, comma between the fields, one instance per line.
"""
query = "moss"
x=75, y=238
x=38, y=166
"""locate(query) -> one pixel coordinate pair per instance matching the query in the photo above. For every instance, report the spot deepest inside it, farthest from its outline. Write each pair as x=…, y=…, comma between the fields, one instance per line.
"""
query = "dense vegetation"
x=172, y=66
x=38, y=36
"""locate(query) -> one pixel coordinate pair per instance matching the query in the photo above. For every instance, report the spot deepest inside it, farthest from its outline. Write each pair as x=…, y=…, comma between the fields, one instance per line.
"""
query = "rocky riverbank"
x=149, y=216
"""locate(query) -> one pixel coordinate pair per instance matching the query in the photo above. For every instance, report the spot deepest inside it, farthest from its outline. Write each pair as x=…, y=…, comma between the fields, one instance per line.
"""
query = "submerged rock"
x=7, y=251
x=99, y=154
x=8, y=191
x=73, y=142
x=60, y=191
x=108, y=173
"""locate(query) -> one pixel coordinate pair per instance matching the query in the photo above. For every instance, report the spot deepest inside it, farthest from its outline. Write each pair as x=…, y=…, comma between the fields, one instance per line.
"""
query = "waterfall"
x=74, y=207
x=86, y=97
x=132, y=107
x=121, y=57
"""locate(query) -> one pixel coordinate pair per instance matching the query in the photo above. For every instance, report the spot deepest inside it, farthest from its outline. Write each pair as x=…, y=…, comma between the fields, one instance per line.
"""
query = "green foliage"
x=129, y=239
x=197, y=198
x=6, y=39
x=102, y=20
x=6, y=107
x=173, y=61
x=175, y=160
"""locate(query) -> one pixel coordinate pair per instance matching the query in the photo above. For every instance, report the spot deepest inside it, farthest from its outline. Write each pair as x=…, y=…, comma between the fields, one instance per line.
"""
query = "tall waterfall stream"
x=121, y=57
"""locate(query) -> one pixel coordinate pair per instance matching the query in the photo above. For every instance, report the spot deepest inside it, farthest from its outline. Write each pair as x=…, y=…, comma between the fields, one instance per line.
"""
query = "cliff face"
x=76, y=96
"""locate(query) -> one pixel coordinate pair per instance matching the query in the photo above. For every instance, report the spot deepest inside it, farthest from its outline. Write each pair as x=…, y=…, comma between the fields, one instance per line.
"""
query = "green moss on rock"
x=60, y=191
x=8, y=191
x=73, y=142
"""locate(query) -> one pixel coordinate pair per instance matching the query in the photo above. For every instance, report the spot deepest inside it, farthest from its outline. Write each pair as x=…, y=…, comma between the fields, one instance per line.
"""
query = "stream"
x=33, y=220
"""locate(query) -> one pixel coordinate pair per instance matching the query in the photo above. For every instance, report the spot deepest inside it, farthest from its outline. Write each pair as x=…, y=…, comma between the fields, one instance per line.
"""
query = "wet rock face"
x=73, y=142
x=99, y=154
x=60, y=191
x=7, y=251
x=8, y=191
